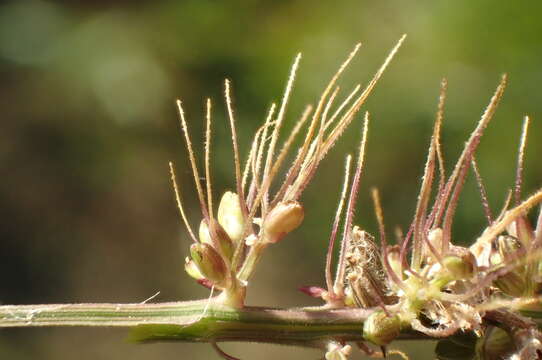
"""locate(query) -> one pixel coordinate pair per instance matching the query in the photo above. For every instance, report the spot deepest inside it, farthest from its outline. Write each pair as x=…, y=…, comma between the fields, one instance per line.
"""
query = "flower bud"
x=459, y=268
x=435, y=238
x=209, y=262
x=394, y=259
x=512, y=284
x=217, y=237
x=230, y=216
x=508, y=246
x=282, y=219
x=496, y=344
x=336, y=351
x=381, y=329
x=313, y=291
x=192, y=269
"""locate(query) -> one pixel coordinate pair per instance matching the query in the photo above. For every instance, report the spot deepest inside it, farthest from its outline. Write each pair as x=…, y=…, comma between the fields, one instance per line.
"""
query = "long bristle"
x=521, y=158
x=302, y=154
x=192, y=159
x=235, y=144
x=483, y=193
x=383, y=240
x=261, y=150
x=438, y=122
x=354, y=189
x=420, y=226
x=457, y=178
x=333, y=236
x=347, y=118
x=179, y=202
x=500, y=225
x=341, y=107
x=207, y=158
x=278, y=125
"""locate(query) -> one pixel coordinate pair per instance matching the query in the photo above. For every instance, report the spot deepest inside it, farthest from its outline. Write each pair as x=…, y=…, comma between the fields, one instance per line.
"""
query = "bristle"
x=278, y=125
x=221, y=352
x=256, y=167
x=483, y=193
x=329, y=255
x=342, y=106
x=438, y=124
x=192, y=158
x=347, y=118
x=341, y=266
x=302, y=155
x=420, y=220
x=500, y=225
x=383, y=240
x=179, y=202
x=457, y=178
x=207, y=159
x=521, y=158
x=235, y=144
x=329, y=103
x=423, y=201
x=250, y=158
x=286, y=147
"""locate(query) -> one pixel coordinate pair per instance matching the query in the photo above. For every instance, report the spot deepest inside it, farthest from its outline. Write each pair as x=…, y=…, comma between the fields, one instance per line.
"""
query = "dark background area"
x=88, y=125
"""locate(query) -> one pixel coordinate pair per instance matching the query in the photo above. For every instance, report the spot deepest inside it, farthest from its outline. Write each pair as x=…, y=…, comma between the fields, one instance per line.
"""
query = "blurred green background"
x=88, y=125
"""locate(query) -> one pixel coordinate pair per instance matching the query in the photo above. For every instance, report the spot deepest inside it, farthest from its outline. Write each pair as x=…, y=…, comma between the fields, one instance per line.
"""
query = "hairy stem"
x=199, y=321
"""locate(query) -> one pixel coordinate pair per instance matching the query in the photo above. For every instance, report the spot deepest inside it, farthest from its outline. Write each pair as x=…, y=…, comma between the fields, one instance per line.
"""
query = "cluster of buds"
x=227, y=249
x=424, y=282
x=212, y=256
x=521, y=277
x=444, y=288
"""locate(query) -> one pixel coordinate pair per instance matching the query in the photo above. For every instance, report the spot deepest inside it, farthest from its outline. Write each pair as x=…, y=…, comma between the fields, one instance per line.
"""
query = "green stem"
x=253, y=256
x=198, y=321
x=205, y=321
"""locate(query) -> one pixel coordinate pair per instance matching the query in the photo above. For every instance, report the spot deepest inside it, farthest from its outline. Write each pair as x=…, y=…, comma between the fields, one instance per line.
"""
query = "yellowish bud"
x=217, y=237
x=230, y=216
x=282, y=219
x=394, y=259
x=381, y=329
x=204, y=235
x=434, y=237
x=336, y=351
x=192, y=269
x=209, y=262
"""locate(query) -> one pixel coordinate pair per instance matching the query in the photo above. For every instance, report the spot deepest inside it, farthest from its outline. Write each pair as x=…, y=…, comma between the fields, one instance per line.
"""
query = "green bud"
x=230, y=216
x=459, y=268
x=282, y=219
x=512, y=284
x=209, y=262
x=192, y=269
x=381, y=329
x=495, y=345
